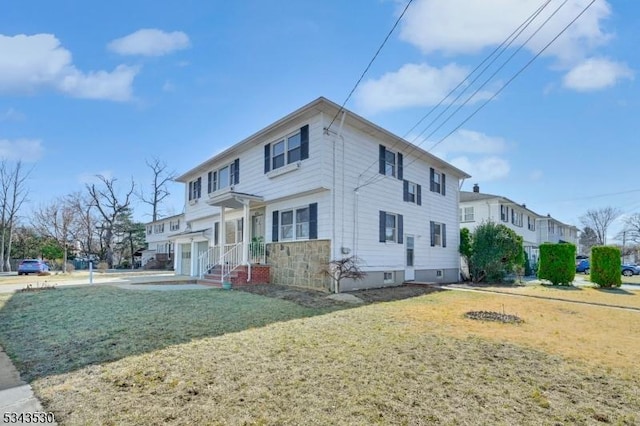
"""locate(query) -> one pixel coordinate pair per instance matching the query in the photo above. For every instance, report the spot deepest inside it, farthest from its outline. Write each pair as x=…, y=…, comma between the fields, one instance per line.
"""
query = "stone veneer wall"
x=298, y=263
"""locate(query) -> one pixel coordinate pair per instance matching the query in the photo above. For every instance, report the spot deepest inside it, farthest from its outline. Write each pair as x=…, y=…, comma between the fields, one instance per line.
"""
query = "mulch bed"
x=318, y=299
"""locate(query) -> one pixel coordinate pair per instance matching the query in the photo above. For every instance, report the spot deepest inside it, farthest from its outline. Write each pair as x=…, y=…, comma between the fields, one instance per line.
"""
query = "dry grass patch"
x=416, y=361
x=591, y=334
x=613, y=297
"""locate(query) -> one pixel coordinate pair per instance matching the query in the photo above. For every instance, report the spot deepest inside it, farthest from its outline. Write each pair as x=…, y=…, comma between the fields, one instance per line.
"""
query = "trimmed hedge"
x=605, y=266
x=557, y=263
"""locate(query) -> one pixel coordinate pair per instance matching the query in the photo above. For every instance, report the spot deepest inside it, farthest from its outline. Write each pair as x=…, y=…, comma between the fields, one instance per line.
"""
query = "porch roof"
x=189, y=233
x=233, y=199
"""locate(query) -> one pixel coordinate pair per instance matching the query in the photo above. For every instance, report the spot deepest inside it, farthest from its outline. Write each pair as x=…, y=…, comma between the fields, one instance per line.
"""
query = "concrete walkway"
x=16, y=396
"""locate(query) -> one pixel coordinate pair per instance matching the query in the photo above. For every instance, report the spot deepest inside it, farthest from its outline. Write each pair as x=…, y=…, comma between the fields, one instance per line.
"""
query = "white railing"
x=232, y=258
x=208, y=260
x=257, y=252
x=232, y=253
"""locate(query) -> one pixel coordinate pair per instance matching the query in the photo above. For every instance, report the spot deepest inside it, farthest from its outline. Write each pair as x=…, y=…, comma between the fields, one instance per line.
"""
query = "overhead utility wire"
x=370, y=63
x=502, y=48
x=508, y=82
x=520, y=71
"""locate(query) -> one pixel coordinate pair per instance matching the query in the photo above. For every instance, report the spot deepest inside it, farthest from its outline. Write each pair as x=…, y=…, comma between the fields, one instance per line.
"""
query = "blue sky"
x=98, y=88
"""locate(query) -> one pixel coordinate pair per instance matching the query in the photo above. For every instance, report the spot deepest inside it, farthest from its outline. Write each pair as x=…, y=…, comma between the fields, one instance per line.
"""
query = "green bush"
x=557, y=263
x=495, y=251
x=605, y=266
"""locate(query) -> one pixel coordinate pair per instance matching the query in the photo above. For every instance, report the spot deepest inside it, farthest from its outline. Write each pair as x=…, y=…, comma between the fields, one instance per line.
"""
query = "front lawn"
x=257, y=360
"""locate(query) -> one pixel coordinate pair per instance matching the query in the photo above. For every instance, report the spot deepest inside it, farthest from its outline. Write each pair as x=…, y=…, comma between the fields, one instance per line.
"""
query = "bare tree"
x=55, y=220
x=632, y=227
x=588, y=239
x=159, y=191
x=13, y=193
x=110, y=208
x=338, y=269
x=84, y=226
x=599, y=221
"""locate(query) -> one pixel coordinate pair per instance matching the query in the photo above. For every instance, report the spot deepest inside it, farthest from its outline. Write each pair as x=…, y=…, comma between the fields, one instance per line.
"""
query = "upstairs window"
x=516, y=218
x=195, y=187
x=438, y=181
x=531, y=223
x=390, y=162
x=149, y=229
x=290, y=149
x=158, y=228
x=504, y=213
x=224, y=177
x=412, y=193
x=466, y=214
x=174, y=225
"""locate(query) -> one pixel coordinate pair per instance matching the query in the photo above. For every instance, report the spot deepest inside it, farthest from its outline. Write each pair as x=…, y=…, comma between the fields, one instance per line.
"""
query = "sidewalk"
x=16, y=396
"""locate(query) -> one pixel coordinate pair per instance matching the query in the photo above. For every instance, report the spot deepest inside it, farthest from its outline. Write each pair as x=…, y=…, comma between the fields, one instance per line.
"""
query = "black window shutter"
x=199, y=187
x=313, y=221
x=443, y=182
x=209, y=182
x=405, y=190
x=304, y=142
x=236, y=166
x=431, y=179
x=267, y=158
x=383, y=226
x=190, y=189
x=382, y=167
x=419, y=195
x=400, y=229
x=400, y=172
x=433, y=233
x=216, y=234
x=274, y=226
x=443, y=229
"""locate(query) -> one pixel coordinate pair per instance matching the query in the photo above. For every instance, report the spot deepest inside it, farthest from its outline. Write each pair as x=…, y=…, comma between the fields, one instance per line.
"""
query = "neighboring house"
x=159, y=251
x=477, y=208
x=296, y=195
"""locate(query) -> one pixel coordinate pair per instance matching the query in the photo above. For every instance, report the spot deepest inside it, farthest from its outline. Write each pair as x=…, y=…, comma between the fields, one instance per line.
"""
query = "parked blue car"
x=32, y=266
x=629, y=270
x=582, y=265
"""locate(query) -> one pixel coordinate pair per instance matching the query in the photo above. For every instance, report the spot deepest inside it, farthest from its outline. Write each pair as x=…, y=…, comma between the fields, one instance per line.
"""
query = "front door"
x=257, y=227
x=409, y=272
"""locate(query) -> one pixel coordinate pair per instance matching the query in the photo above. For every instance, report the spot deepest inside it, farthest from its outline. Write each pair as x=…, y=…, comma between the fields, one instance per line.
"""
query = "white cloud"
x=412, y=85
x=468, y=26
x=36, y=62
x=472, y=142
x=28, y=150
x=483, y=169
x=150, y=42
x=595, y=74
x=536, y=175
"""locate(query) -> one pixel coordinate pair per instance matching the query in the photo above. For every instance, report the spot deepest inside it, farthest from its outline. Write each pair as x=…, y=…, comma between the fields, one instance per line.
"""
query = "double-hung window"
x=390, y=163
x=466, y=214
x=292, y=148
x=391, y=227
x=174, y=225
x=438, y=234
x=295, y=224
x=224, y=176
x=504, y=213
x=531, y=223
x=195, y=187
x=438, y=181
x=412, y=192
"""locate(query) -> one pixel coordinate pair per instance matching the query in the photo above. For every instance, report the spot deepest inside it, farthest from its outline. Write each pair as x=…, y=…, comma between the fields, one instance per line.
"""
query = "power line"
x=506, y=43
x=508, y=82
x=370, y=63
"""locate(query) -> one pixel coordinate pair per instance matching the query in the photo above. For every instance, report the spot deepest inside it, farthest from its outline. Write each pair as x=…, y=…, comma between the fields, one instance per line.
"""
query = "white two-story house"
x=477, y=208
x=160, y=248
x=293, y=196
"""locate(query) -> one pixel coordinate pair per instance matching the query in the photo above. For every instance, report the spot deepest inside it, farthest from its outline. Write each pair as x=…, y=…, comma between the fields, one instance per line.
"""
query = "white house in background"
x=300, y=193
x=477, y=208
x=159, y=251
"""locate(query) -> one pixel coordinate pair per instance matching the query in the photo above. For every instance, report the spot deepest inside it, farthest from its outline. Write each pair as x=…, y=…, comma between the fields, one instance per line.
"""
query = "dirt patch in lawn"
x=318, y=299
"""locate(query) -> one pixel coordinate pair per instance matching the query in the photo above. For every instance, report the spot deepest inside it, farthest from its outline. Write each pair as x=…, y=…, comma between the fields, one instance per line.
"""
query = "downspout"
x=342, y=186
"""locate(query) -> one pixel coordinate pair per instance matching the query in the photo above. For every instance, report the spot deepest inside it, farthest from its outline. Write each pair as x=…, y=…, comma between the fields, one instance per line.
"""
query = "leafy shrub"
x=527, y=266
x=557, y=263
x=495, y=251
x=605, y=266
x=70, y=267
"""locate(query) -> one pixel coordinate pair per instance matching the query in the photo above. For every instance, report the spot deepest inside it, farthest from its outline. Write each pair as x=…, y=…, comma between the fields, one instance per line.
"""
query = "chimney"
x=476, y=188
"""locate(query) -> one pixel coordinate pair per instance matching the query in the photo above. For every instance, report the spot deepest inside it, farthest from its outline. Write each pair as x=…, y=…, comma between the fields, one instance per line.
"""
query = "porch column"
x=177, y=254
x=245, y=234
x=222, y=237
x=194, y=259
